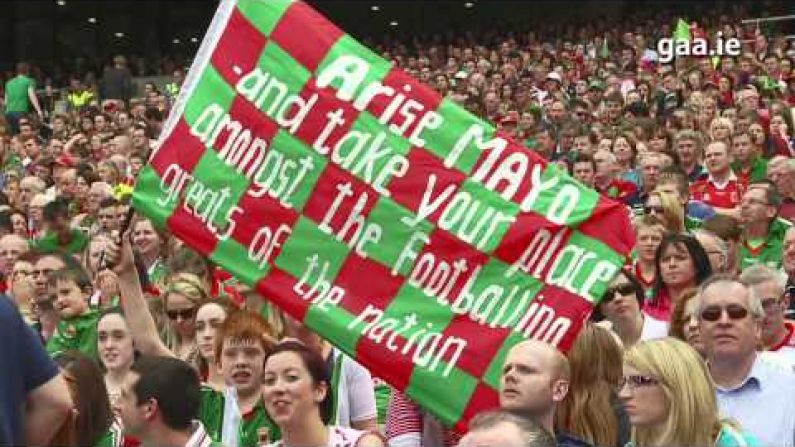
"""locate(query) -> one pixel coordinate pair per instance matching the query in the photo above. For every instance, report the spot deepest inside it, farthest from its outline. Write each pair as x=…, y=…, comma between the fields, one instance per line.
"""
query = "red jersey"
x=719, y=195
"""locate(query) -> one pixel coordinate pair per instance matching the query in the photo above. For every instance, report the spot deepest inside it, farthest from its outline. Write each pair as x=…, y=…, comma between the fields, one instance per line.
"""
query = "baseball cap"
x=554, y=76
x=511, y=117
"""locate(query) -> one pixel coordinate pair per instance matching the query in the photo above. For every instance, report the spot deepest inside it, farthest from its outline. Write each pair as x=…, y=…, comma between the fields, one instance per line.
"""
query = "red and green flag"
x=386, y=218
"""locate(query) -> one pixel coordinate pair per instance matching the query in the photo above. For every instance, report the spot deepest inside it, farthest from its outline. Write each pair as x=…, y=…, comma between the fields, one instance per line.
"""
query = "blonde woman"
x=721, y=129
x=666, y=207
x=591, y=410
x=181, y=300
x=167, y=330
x=670, y=398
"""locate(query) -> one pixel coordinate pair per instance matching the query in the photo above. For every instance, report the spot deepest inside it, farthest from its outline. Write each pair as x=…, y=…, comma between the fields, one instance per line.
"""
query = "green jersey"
x=256, y=426
x=78, y=333
x=49, y=243
x=756, y=173
x=17, y=99
x=769, y=251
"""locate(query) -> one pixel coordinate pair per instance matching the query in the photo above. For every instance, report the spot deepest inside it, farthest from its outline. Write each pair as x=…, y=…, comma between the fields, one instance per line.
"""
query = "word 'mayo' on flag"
x=386, y=218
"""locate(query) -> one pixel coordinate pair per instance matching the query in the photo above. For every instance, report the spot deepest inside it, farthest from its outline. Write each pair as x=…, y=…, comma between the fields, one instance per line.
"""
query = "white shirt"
x=337, y=437
x=356, y=396
x=653, y=328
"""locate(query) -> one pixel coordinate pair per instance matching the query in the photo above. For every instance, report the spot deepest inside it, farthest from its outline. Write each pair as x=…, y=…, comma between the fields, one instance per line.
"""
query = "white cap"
x=554, y=76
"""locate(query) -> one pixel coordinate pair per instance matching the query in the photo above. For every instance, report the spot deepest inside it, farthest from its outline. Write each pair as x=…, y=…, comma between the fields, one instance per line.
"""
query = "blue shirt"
x=699, y=210
x=763, y=404
x=24, y=366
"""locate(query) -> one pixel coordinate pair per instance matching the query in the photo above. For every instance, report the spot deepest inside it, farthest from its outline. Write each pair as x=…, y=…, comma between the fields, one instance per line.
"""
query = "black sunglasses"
x=622, y=289
x=636, y=381
x=734, y=311
x=649, y=209
x=185, y=314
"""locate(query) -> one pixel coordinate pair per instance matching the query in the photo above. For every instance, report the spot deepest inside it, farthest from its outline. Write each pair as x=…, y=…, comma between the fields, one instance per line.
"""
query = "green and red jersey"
x=256, y=427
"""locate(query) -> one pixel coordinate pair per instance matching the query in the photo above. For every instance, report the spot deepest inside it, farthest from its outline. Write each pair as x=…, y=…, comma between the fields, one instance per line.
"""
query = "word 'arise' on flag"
x=385, y=217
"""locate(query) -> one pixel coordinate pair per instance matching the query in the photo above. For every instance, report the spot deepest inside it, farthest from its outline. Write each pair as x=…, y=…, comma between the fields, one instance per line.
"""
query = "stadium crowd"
x=126, y=339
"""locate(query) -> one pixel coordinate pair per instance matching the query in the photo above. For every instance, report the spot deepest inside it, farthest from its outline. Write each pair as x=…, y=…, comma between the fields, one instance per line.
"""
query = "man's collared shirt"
x=765, y=388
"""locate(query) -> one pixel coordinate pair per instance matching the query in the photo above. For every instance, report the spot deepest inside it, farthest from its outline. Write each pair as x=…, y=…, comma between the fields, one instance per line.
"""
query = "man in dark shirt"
x=117, y=80
x=34, y=398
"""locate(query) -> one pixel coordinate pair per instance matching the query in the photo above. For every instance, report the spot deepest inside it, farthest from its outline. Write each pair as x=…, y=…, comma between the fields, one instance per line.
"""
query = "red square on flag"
x=367, y=282
x=264, y=217
x=530, y=232
x=180, y=148
x=330, y=187
x=277, y=287
x=482, y=344
x=299, y=22
x=192, y=230
x=413, y=90
x=318, y=120
x=410, y=189
x=239, y=48
x=609, y=215
x=400, y=366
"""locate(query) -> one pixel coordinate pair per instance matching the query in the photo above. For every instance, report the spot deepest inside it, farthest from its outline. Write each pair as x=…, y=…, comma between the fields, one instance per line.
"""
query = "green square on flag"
x=215, y=189
x=498, y=295
x=309, y=165
x=493, y=374
x=457, y=123
x=586, y=244
x=153, y=199
x=451, y=393
x=396, y=235
x=372, y=138
x=551, y=202
x=212, y=89
x=264, y=15
x=480, y=217
x=306, y=242
x=286, y=78
x=411, y=302
x=336, y=320
x=244, y=268
x=348, y=46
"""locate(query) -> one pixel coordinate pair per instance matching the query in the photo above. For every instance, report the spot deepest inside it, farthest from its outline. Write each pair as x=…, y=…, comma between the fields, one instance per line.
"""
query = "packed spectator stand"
x=691, y=345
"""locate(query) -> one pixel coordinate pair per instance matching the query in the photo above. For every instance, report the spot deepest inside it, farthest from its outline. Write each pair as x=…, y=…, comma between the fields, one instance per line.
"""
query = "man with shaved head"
x=535, y=380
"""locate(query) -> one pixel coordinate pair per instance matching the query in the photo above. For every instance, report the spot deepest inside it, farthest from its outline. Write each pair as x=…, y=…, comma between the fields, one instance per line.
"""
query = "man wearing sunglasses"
x=729, y=315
